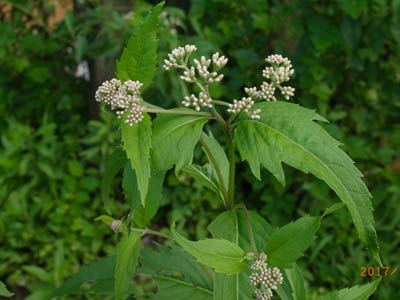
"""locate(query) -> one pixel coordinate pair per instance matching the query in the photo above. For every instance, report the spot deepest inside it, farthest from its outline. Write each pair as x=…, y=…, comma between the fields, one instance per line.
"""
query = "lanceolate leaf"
x=126, y=261
x=177, y=274
x=137, y=144
x=283, y=249
x=101, y=269
x=204, y=175
x=142, y=215
x=174, y=138
x=3, y=290
x=358, y=292
x=222, y=255
x=232, y=225
x=287, y=133
x=139, y=59
x=217, y=157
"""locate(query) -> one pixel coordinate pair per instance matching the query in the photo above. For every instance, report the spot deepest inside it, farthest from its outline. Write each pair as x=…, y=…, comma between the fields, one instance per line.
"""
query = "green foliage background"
x=346, y=55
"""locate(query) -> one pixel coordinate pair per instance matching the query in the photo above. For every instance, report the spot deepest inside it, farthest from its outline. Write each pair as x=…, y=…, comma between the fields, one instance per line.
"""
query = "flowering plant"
x=245, y=258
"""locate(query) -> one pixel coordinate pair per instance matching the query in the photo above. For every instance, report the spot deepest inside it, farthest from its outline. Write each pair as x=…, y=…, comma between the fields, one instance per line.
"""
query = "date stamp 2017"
x=377, y=271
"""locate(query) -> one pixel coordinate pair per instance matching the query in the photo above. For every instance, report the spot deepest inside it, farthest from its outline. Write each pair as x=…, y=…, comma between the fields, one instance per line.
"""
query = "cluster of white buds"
x=280, y=71
x=264, y=279
x=203, y=100
x=203, y=64
x=123, y=98
x=178, y=57
x=245, y=105
x=115, y=225
x=203, y=72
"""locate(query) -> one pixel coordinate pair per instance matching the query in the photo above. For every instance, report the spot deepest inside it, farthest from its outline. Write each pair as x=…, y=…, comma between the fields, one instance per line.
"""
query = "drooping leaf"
x=283, y=249
x=100, y=269
x=174, y=138
x=222, y=255
x=114, y=163
x=203, y=175
x=217, y=157
x=142, y=215
x=139, y=58
x=358, y=292
x=287, y=133
x=177, y=274
x=232, y=225
x=137, y=144
x=3, y=290
x=126, y=260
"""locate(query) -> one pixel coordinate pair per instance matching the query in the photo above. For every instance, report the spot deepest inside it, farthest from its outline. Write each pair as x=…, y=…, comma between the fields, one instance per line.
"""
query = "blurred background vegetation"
x=55, y=140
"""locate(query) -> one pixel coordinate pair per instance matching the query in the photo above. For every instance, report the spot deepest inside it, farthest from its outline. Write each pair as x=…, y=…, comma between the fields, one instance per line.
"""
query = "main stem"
x=231, y=156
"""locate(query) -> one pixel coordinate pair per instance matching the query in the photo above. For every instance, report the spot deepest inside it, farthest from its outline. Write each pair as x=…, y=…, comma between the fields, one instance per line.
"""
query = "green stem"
x=232, y=164
x=213, y=161
x=219, y=102
x=253, y=246
x=176, y=112
x=152, y=232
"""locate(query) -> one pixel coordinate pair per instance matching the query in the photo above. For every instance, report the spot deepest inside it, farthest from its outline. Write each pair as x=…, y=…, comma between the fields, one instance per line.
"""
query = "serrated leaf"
x=142, y=215
x=100, y=269
x=222, y=255
x=287, y=133
x=203, y=177
x=358, y=292
x=3, y=290
x=232, y=225
x=174, y=138
x=137, y=144
x=282, y=249
x=177, y=274
x=114, y=163
x=126, y=260
x=217, y=157
x=139, y=58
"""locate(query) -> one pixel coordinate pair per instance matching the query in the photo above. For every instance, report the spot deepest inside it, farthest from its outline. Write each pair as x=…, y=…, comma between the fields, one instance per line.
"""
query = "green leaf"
x=177, y=274
x=114, y=163
x=222, y=255
x=105, y=219
x=139, y=59
x=3, y=290
x=297, y=282
x=217, y=157
x=286, y=133
x=174, y=138
x=137, y=144
x=98, y=270
x=282, y=249
x=142, y=215
x=358, y=292
x=232, y=225
x=204, y=176
x=126, y=261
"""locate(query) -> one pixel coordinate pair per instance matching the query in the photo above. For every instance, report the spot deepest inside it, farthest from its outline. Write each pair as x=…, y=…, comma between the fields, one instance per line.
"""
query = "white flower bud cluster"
x=115, y=225
x=280, y=71
x=203, y=64
x=178, y=57
x=245, y=105
x=203, y=100
x=265, y=279
x=123, y=98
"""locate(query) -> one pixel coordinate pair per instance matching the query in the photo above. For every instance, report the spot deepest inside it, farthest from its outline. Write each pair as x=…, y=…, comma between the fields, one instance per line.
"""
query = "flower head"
x=264, y=279
x=124, y=98
x=279, y=71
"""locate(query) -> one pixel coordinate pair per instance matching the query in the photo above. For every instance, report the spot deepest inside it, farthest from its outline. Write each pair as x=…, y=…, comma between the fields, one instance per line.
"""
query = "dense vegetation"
x=346, y=56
